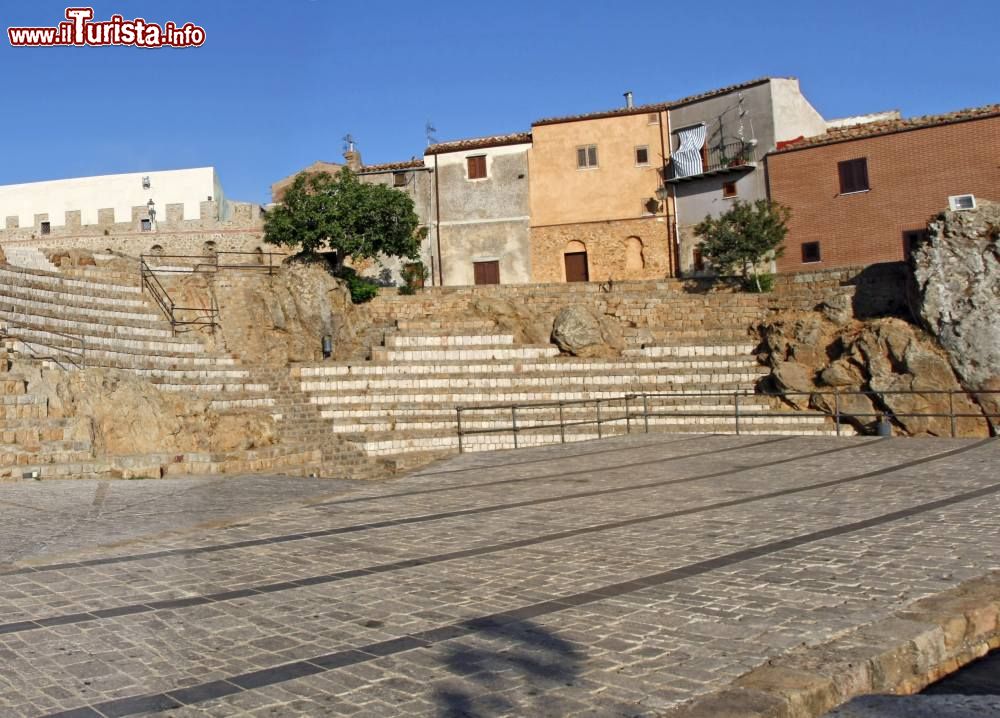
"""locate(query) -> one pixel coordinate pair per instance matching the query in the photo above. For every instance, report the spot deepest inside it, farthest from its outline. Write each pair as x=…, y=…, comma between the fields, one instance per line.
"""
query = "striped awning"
x=687, y=157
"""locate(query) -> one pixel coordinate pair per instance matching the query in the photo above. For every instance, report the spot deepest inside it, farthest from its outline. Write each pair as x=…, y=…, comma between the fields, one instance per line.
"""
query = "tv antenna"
x=348, y=142
x=429, y=130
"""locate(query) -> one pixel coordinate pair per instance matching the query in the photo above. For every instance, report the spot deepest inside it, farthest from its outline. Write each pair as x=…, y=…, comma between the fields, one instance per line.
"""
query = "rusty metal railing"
x=636, y=410
x=203, y=316
x=74, y=355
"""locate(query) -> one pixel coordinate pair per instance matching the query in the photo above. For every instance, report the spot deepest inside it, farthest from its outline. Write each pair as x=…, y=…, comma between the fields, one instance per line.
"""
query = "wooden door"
x=486, y=272
x=576, y=267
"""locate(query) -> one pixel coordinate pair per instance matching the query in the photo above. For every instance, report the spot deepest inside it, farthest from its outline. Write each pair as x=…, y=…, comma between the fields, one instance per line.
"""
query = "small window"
x=486, y=272
x=810, y=252
x=45, y=228
x=853, y=175
x=586, y=157
x=653, y=118
x=642, y=155
x=477, y=167
x=146, y=225
x=399, y=179
x=729, y=189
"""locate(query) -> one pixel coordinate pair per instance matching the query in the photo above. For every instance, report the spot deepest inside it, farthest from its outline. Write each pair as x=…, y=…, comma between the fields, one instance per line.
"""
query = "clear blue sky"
x=278, y=83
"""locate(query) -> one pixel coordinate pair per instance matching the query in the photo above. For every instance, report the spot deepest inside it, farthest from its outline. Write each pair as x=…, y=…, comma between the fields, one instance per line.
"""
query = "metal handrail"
x=76, y=357
x=629, y=402
x=149, y=280
x=209, y=263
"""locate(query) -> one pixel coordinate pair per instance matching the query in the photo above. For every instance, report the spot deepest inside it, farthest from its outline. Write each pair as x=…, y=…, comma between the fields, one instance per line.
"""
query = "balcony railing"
x=717, y=159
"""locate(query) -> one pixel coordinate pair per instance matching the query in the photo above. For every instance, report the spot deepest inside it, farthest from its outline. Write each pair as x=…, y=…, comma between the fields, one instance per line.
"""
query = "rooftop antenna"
x=429, y=131
x=348, y=142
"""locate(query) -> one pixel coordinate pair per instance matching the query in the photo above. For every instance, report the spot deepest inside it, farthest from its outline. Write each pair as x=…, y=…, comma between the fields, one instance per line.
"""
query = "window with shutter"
x=853, y=175
x=642, y=155
x=477, y=167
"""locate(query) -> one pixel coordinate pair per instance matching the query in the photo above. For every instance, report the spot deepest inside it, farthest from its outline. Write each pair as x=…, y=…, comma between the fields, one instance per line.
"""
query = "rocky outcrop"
x=957, y=294
x=579, y=331
x=122, y=415
x=813, y=358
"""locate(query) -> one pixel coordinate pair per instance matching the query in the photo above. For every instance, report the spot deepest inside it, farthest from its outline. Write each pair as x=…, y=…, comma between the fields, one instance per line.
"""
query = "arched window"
x=156, y=250
x=635, y=260
x=208, y=248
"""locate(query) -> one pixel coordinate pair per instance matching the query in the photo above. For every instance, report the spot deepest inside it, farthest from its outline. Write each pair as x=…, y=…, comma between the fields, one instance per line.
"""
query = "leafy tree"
x=338, y=212
x=744, y=236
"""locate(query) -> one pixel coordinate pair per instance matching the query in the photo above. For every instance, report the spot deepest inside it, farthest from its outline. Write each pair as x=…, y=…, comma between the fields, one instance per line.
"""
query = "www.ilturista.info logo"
x=80, y=29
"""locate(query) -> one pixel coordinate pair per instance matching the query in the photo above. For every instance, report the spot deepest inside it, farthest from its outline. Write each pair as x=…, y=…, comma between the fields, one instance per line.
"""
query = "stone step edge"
x=902, y=654
x=59, y=278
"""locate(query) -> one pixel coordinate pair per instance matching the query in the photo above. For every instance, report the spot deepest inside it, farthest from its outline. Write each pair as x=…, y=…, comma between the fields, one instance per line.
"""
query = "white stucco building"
x=28, y=204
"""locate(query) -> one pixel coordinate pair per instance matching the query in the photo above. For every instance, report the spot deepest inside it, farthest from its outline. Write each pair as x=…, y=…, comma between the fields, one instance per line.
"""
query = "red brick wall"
x=911, y=175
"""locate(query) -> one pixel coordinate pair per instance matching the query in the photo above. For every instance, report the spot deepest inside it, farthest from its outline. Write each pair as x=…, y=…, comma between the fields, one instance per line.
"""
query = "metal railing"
x=76, y=358
x=211, y=263
x=636, y=410
x=717, y=158
x=203, y=316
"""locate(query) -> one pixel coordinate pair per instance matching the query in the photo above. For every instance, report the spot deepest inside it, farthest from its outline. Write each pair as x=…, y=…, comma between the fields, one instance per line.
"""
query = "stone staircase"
x=405, y=399
x=67, y=321
x=28, y=258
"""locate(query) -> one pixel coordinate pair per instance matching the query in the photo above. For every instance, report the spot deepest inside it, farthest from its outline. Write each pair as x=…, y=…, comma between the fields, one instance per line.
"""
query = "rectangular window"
x=853, y=175
x=810, y=252
x=477, y=167
x=653, y=118
x=146, y=225
x=642, y=155
x=46, y=227
x=911, y=240
x=729, y=189
x=698, y=260
x=486, y=272
x=586, y=157
x=399, y=179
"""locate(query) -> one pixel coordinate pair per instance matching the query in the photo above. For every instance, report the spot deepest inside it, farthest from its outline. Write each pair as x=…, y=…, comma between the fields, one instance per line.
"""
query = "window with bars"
x=477, y=167
x=45, y=228
x=399, y=179
x=586, y=157
x=853, y=175
x=642, y=155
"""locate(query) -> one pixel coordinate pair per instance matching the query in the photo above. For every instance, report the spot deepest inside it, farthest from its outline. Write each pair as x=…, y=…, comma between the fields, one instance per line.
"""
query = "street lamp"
x=151, y=209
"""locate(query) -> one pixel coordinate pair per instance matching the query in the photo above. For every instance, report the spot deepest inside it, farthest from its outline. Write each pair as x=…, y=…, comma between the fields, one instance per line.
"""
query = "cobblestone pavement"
x=613, y=578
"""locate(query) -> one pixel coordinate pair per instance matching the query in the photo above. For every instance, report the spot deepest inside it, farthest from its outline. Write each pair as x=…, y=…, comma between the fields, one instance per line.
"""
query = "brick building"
x=861, y=194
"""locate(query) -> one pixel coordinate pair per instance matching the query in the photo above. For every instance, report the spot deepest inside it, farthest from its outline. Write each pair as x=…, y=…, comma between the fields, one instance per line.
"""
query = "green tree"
x=338, y=212
x=747, y=234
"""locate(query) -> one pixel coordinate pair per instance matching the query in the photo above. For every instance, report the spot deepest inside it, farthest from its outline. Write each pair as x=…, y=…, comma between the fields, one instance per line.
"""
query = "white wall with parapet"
x=121, y=192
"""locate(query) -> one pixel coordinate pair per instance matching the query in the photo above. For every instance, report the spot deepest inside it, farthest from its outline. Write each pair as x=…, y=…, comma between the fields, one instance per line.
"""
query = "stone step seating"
x=28, y=257
x=104, y=308
x=128, y=293
x=406, y=402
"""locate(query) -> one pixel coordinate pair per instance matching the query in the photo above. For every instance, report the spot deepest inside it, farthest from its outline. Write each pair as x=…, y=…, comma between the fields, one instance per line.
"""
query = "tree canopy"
x=747, y=234
x=320, y=211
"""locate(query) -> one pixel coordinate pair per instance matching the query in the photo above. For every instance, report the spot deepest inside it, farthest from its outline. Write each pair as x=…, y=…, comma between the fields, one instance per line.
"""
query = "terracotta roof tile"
x=654, y=107
x=476, y=143
x=392, y=166
x=886, y=127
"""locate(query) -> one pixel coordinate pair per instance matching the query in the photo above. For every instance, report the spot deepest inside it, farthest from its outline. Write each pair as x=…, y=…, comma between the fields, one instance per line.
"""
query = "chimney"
x=351, y=154
x=353, y=159
x=628, y=100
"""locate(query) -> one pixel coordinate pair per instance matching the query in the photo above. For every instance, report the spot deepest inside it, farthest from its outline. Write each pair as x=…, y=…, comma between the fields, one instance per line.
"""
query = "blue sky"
x=278, y=83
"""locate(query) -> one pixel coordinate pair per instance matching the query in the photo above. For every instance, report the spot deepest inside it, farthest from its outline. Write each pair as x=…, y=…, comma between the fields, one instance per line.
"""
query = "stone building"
x=595, y=214
x=863, y=194
x=480, y=217
x=175, y=211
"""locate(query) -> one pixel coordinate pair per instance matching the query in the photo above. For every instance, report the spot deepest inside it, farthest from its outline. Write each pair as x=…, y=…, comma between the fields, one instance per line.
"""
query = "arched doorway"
x=635, y=260
x=575, y=262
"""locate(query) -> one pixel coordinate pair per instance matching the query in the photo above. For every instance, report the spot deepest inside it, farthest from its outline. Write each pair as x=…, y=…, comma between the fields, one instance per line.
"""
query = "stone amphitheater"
x=390, y=403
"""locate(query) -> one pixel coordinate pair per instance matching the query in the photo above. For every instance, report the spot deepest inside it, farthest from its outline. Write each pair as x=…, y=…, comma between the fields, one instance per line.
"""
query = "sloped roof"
x=477, y=143
x=654, y=107
x=887, y=127
x=392, y=166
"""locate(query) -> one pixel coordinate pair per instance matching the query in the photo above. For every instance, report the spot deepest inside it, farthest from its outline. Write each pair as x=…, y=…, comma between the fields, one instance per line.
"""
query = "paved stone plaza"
x=614, y=578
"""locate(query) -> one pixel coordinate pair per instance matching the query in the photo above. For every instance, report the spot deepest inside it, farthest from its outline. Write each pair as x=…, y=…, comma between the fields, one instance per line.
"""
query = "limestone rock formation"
x=579, y=331
x=814, y=356
x=123, y=415
x=957, y=295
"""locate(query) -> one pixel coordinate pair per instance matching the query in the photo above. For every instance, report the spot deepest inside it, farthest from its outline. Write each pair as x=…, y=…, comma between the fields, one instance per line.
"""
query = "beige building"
x=595, y=214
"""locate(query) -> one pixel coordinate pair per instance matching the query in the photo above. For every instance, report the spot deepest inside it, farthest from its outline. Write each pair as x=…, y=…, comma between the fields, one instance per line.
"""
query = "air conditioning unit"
x=960, y=202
